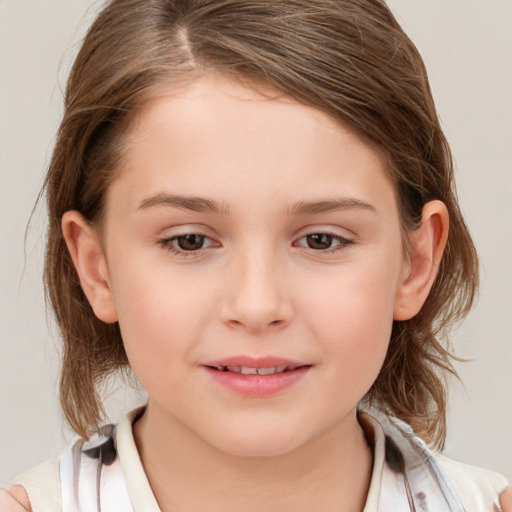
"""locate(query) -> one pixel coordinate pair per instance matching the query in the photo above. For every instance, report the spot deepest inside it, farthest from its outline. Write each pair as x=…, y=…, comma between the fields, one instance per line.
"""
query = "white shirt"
x=124, y=487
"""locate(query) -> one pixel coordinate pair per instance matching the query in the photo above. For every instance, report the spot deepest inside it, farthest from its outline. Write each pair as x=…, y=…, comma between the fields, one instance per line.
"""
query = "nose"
x=257, y=297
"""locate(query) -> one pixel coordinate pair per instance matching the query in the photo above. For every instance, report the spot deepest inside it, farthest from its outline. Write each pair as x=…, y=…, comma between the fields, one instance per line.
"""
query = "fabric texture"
x=106, y=475
x=42, y=484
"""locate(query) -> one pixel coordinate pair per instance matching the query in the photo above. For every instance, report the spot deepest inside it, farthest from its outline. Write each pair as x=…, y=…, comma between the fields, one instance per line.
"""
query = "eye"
x=323, y=242
x=190, y=242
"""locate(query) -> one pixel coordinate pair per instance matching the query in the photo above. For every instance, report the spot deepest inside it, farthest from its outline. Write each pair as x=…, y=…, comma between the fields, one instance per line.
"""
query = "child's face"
x=243, y=227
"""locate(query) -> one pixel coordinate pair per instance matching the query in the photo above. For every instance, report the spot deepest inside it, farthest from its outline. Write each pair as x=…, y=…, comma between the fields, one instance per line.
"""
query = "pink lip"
x=254, y=362
x=257, y=385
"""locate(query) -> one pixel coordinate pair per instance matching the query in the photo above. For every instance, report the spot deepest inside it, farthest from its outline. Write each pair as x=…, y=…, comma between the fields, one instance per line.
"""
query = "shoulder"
x=14, y=499
x=477, y=488
x=42, y=484
x=440, y=478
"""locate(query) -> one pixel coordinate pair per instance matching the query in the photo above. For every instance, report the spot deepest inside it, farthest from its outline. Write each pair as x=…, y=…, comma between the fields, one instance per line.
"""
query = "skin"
x=258, y=287
x=14, y=499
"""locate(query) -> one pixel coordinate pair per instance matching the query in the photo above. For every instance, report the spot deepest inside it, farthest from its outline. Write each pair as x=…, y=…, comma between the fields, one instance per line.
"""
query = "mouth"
x=257, y=377
x=250, y=370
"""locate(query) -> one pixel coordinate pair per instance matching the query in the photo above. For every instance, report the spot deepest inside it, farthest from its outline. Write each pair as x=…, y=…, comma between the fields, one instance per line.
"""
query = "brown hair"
x=348, y=58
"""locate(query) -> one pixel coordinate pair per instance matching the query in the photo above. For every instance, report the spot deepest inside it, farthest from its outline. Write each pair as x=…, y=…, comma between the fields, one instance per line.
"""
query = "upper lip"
x=255, y=362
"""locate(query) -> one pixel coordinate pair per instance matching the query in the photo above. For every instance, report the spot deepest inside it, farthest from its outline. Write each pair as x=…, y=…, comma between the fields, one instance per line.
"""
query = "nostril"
x=255, y=314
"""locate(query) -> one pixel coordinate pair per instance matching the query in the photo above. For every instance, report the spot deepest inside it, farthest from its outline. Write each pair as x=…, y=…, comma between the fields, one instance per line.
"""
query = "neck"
x=328, y=473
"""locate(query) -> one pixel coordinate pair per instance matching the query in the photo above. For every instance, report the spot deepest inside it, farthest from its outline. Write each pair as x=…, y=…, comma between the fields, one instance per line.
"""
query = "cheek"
x=159, y=316
x=358, y=299
x=353, y=320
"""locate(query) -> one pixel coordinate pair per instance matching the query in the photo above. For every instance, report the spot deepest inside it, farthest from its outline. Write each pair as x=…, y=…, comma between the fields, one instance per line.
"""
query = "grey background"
x=467, y=46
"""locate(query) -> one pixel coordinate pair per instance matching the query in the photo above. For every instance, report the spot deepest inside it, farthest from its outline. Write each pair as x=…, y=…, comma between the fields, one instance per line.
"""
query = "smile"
x=246, y=370
x=256, y=377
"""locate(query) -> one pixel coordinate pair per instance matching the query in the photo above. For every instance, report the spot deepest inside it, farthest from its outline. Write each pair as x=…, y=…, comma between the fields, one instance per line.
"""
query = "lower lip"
x=258, y=385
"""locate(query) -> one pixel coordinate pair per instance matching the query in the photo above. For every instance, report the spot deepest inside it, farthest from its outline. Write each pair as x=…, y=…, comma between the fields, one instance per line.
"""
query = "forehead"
x=217, y=135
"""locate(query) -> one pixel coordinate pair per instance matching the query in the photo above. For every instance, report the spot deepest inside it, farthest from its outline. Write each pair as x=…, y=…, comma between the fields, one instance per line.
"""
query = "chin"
x=257, y=442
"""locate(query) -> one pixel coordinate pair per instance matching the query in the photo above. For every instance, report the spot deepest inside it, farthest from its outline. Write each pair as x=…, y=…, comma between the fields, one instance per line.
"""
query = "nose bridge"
x=257, y=297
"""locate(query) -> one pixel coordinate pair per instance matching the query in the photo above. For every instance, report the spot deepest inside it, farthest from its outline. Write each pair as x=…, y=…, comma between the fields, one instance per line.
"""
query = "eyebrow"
x=196, y=204
x=202, y=204
x=329, y=205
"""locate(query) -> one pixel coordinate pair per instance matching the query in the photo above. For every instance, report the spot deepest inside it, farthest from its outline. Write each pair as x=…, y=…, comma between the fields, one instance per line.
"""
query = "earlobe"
x=90, y=263
x=427, y=244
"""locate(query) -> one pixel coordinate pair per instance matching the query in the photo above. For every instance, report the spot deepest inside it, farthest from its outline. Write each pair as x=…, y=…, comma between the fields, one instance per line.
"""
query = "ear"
x=427, y=244
x=90, y=263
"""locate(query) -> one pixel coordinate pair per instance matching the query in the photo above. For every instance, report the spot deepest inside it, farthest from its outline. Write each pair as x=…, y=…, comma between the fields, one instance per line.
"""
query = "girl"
x=251, y=205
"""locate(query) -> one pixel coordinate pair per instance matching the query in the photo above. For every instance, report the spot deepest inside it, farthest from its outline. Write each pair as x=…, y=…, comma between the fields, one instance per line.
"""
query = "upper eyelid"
x=172, y=238
x=330, y=228
x=342, y=239
x=185, y=229
x=345, y=235
x=305, y=232
x=324, y=231
x=170, y=233
x=310, y=230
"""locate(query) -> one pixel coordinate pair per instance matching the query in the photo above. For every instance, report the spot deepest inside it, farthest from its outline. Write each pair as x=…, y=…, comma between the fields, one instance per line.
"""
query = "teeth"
x=248, y=371
x=267, y=371
x=254, y=371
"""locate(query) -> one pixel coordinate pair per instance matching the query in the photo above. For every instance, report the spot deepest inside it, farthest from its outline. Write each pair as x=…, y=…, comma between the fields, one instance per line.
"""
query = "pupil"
x=190, y=242
x=319, y=241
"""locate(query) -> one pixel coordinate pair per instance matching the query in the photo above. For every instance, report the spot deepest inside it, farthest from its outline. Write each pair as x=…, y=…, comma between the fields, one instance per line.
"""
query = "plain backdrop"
x=467, y=46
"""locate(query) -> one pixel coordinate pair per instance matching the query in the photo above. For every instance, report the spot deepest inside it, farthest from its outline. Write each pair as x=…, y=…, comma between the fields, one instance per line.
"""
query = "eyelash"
x=342, y=242
x=168, y=243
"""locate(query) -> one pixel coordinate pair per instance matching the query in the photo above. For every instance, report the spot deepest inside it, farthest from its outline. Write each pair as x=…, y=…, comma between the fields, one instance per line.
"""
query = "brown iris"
x=191, y=242
x=319, y=241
